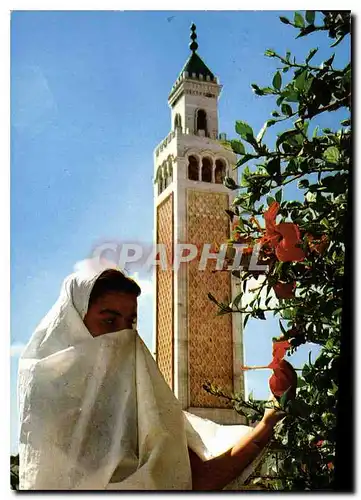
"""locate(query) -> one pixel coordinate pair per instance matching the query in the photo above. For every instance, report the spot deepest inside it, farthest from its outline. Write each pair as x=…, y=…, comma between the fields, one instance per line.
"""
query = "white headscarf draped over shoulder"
x=96, y=413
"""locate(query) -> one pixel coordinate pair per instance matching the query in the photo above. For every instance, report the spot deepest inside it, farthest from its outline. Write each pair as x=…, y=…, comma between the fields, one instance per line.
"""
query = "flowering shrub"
x=305, y=248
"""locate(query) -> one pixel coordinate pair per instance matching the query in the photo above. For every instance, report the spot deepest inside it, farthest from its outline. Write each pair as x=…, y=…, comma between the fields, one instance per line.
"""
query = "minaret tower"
x=192, y=345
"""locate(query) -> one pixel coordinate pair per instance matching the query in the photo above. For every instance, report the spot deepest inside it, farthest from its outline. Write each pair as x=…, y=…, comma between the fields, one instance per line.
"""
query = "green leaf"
x=305, y=371
x=301, y=382
x=229, y=183
x=230, y=214
x=291, y=95
x=310, y=16
x=212, y=298
x=268, y=91
x=237, y=301
x=260, y=314
x=256, y=89
x=244, y=130
x=300, y=81
x=298, y=20
x=325, y=222
x=303, y=184
x=270, y=53
x=329, y=61
x=270, y=200
x=288, y=313
x=271, y=122
x=278, y=196
x=339, y=39
x=311, y=197
x=277, y=81
x=284, y=20
x=245, y=320
x=300, y=408
x=332, y=154
x=329, y=344
x=238, y=147
x=285, y=135
x=286, y=109
x=273, y=167
x=311, y=54
x=284, y=399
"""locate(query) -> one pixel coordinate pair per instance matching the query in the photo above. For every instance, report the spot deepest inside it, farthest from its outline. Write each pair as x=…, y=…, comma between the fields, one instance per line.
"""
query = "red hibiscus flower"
x=282, y=237
x=284, y=378
x=284, y=375
x=279, y=350
x=284, y=290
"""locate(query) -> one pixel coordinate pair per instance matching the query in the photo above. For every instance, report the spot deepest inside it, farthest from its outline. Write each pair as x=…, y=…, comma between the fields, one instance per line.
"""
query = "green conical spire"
x=194, y=64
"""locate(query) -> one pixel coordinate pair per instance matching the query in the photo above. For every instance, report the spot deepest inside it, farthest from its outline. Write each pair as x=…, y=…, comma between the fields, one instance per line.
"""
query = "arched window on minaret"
x=220, y=171
x=165, y=176
x=177, y=121
x=206, y=169
x=170, y=170
x=201, y=122
x=193, y=168
x=160, y=182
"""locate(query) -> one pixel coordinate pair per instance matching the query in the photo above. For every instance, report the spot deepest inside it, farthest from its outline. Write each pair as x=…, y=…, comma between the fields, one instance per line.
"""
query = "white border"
x=4, y=172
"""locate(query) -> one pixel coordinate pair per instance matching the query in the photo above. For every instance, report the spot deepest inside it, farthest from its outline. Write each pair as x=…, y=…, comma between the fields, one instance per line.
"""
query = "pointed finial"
x=193, y=45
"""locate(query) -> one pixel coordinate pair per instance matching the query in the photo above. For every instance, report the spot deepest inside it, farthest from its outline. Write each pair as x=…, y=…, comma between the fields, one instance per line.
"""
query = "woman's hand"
x=272, y=415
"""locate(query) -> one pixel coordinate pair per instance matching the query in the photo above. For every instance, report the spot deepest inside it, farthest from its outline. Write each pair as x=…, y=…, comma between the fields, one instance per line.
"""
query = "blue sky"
x=88, y=106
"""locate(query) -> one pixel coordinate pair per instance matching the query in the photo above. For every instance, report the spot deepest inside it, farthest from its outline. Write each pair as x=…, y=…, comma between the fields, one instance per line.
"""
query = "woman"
x=96, y=413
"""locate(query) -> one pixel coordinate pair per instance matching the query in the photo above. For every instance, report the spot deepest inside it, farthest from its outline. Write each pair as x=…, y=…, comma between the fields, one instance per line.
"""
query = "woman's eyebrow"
x=111, y=311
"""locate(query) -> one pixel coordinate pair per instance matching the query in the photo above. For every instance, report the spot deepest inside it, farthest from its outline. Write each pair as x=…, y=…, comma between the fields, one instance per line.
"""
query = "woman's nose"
x=129, y=324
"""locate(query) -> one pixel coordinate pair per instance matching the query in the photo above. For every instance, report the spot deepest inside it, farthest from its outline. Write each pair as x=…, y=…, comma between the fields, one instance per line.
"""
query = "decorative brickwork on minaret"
x=210, y=354
x=164, y=313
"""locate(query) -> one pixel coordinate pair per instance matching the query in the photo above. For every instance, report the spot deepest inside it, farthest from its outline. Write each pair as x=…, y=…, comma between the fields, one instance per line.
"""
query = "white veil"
x=96, y=414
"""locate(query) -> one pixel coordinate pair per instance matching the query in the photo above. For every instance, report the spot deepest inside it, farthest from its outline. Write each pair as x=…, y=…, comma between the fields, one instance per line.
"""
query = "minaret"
x=192, y=345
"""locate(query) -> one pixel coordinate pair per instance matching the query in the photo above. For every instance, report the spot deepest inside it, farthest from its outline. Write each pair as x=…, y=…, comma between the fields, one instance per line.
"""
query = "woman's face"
x=111, y=312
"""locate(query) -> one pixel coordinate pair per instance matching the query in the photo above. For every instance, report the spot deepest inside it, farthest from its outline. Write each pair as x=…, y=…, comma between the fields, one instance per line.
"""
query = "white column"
x=180, y=291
